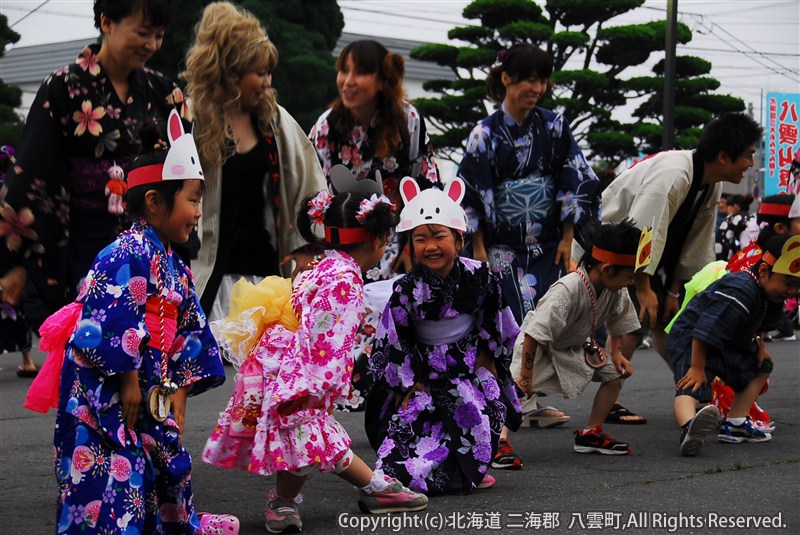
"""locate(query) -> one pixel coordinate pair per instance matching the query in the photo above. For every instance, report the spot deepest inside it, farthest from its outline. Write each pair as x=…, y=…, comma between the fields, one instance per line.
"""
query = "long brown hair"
x=372, y=57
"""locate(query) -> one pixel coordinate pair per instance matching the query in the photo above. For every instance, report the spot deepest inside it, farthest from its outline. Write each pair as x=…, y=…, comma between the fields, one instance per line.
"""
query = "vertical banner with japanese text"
x=780, y=141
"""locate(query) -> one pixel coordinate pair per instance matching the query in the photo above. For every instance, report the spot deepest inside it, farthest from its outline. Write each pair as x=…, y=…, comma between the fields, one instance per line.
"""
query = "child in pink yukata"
x=288, y=428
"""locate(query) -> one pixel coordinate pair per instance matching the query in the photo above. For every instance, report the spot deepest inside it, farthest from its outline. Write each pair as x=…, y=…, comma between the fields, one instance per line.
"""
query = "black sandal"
x=618, y=412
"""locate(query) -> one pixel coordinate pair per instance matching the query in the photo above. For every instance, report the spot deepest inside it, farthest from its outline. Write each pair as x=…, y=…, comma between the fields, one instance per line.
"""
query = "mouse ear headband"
x=182, y=163
x=343, y=180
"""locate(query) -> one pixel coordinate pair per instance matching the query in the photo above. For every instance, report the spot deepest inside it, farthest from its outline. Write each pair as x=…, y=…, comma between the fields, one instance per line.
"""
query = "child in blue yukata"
x=716, y=336
x=556, y=351
x=130, y=349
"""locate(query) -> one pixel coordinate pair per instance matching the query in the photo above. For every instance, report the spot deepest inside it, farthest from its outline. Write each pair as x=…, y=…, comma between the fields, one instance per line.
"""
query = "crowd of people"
x=338, y=270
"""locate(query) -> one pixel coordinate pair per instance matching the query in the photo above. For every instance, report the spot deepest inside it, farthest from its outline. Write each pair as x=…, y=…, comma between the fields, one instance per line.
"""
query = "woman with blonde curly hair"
x=257, y=160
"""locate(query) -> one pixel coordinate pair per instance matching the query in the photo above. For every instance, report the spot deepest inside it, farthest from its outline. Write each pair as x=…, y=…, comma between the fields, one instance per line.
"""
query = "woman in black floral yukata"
x=62, y=202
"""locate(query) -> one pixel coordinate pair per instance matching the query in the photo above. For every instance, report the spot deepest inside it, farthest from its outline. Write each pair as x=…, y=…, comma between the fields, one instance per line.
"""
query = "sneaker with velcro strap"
x=595, y=441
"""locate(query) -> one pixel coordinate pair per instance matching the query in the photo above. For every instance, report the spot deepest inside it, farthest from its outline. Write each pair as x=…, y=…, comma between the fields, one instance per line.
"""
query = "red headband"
x=344, y=236
x=769, y=208
x=769, y=258
x=149, y=174
x=613, y=258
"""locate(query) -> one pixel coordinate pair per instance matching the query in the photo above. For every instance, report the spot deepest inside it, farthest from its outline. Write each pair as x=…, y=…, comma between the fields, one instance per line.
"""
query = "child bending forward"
x=556, y=351
x=716, y=335
x=443, y=390
x=280, y=421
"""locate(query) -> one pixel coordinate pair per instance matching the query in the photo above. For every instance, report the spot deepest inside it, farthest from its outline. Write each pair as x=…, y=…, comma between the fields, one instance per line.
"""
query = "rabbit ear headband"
x=432, y=206
x=182, y=163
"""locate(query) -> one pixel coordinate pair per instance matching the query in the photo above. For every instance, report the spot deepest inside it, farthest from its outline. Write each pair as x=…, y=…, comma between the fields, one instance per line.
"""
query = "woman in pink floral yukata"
x=280, y=420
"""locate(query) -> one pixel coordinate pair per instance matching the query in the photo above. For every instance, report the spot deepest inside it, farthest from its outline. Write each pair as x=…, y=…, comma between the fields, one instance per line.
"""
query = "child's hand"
x=694, y=379
x=525, y=383
x=178, y=400
x=131, y=397
x=622, y=365
x=762, y=354
x=485, y=361
x=419, y=387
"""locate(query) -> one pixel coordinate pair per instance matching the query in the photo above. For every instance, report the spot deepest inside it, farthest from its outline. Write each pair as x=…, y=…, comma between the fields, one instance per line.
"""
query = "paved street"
x=654, y=490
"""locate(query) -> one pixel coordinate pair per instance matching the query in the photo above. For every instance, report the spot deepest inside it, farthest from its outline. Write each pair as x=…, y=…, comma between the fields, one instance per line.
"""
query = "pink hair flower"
x=368, y=205
x=318, y=206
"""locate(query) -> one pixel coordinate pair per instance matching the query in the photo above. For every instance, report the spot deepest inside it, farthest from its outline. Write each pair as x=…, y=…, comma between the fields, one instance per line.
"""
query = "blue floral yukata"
x=523, y=181
x=113, y=479
x=430, y=334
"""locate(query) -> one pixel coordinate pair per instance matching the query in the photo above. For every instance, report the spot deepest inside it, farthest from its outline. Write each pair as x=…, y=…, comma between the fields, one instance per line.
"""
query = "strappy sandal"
x=621, y=415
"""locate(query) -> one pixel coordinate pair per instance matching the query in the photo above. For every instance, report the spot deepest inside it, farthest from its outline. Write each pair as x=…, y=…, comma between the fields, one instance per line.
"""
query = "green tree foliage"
x=590, y=60
x=10, y=96
x=305, y=33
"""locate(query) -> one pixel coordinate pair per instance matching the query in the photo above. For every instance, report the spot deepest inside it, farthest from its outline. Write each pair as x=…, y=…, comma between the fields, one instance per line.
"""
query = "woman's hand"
x=178, y=401
x=13, y=284
x=485, y=361
x=131, y=397
x=302, y=258
x=694, y=379
x=564, y=252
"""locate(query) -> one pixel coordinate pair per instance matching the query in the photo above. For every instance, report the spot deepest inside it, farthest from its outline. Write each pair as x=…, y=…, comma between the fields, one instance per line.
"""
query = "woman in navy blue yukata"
x=528, y=187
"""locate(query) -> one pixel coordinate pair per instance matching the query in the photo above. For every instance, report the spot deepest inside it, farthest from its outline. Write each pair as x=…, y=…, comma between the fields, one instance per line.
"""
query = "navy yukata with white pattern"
x=523, y=181
x=726, y=316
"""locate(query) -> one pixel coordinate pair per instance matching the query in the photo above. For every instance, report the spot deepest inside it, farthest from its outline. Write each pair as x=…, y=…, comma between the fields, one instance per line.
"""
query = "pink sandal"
x=218, y=524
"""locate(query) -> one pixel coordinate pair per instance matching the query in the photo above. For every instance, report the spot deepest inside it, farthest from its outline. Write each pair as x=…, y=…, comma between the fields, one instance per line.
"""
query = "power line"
x=46, y=12
x=725, y=51
x=750, y=56
x=31, y=12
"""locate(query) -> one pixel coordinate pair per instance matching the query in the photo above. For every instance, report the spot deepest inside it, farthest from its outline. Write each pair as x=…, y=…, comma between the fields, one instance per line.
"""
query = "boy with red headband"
x=556, y=350
x=716, y=336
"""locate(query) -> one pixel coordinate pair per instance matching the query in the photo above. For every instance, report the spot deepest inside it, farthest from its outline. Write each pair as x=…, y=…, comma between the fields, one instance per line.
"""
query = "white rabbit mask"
x=432, y=206
x=182, y=162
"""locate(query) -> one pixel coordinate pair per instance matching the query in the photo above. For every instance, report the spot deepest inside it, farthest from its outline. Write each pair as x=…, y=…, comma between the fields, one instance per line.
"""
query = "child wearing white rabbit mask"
x=422, y=412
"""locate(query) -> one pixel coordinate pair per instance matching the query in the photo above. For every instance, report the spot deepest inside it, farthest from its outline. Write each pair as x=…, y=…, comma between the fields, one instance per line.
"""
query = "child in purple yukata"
x=556, y=351
x=282, y=421
x=127, y=354
x=716, y=336
x=441, y=359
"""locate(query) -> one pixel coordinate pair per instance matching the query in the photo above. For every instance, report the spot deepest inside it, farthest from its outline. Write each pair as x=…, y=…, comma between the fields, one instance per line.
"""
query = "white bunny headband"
x=182, y=163
x=432, y=206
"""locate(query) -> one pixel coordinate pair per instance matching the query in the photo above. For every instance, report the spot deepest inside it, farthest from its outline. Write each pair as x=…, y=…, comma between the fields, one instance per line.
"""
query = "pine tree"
x=590, y=59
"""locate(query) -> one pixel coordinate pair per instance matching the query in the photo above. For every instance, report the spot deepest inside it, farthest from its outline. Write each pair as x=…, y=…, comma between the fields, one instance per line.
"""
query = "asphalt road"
x=743, y=488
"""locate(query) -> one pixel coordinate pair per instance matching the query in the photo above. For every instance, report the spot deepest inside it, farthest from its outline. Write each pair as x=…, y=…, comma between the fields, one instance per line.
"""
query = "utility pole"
x=668, y=135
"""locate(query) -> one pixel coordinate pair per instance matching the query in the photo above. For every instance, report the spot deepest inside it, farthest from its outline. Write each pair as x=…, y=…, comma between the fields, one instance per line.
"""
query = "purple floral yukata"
x=447, y=437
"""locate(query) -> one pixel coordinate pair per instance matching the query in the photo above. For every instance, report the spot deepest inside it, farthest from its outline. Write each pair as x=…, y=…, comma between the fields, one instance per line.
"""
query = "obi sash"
x=161, y=330
x=446, y=331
